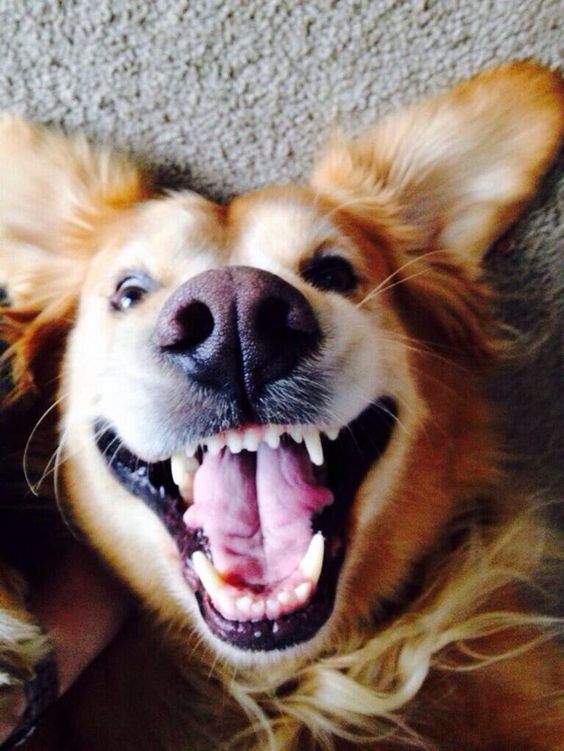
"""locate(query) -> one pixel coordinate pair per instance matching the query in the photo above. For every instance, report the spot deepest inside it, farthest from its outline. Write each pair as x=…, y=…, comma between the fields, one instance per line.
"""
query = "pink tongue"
x=255, y=510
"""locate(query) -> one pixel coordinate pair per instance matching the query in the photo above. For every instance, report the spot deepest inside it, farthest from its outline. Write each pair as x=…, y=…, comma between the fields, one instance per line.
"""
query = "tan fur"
x=466, y=664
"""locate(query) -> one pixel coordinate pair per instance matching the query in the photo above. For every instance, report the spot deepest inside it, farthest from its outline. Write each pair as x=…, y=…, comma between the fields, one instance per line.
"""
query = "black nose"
x=237, y=329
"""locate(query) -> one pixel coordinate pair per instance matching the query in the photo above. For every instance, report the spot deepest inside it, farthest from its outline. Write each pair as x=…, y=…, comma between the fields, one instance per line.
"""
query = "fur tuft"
x=22, y=642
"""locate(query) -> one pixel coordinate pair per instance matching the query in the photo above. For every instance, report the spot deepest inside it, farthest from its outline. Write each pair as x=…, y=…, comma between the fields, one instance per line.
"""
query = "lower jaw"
x=301, y=625
x=287, y=631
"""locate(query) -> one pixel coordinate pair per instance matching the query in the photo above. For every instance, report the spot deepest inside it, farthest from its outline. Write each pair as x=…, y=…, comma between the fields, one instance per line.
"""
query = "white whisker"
x=383, y=286
x=25, y=459
x=381, y=289
x=56, y=487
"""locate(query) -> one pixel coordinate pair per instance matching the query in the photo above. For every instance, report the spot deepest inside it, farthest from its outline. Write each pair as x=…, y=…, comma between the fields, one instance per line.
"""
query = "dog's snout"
x=237, y=329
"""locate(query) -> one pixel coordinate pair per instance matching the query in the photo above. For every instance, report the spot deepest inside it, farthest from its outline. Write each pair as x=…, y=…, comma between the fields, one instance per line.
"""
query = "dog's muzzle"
x=258, y=484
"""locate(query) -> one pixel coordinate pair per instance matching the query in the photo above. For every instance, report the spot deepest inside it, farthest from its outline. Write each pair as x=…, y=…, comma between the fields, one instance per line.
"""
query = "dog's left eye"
x=330, y=273
x=129, y=292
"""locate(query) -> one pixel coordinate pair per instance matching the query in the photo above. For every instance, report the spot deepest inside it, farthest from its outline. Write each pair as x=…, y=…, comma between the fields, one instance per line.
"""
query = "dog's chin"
x=276, y=590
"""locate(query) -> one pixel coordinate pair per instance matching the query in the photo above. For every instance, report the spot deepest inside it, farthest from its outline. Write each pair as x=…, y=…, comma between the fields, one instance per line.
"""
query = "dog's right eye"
x=129, y=292
x=331, y=273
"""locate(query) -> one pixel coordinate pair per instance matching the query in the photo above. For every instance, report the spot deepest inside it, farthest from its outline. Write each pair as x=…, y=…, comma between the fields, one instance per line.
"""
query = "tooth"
x=285, y=597
x=209, y=575
x=312, y=562
x=303, y=591
x=182, y=467
x=272, y=436
x=215, y=443
x=313, y=445
x=225, y=604
x=244, y=604
x=251, y=439
x=257, y=610
x=295, y=432
x=272, y=609
x=332, y=433
x=234, y=442
x=187, y=488
x=178, y=468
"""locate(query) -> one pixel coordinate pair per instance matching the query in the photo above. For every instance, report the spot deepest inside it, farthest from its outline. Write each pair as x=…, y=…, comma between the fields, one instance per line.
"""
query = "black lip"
x=347, y=460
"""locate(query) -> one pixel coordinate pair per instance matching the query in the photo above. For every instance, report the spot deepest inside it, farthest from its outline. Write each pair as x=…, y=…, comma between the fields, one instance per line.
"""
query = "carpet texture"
x=226, y=96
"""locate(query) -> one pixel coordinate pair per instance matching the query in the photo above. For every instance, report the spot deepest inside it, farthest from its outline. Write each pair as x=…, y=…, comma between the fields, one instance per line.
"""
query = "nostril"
x=190, y=326
x=196, y=322
x=272, y=317
x=278, y=317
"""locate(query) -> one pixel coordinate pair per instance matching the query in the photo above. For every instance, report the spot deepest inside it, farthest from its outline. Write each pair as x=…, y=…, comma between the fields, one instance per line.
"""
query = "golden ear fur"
x=58, y=195
x=455, y=170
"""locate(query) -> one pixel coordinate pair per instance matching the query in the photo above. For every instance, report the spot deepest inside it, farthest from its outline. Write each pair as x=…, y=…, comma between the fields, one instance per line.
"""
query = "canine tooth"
x=234, y=442
x=272, y=436
x=191, y=449
x=251, y=439
x=333, y=433
x=209, y=575
x=187, y=489
x=313, y=445
x=178, y=468
x=303, y=591
x=295, y=432
x=215, y=443
x=312, y=562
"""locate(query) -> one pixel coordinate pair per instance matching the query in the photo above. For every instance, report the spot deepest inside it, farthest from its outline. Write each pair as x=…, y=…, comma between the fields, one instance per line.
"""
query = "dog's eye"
x=330, y=273
x=129, y=292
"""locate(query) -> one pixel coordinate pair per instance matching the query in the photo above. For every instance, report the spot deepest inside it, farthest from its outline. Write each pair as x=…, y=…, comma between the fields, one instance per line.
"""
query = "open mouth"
x=259, y=515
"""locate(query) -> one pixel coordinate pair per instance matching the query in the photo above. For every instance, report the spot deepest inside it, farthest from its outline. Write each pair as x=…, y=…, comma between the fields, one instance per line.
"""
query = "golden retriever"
x=274, y=429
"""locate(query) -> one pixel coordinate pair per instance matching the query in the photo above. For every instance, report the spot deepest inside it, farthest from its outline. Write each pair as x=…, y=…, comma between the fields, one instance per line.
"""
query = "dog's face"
x=263, y=413
x=237, y=372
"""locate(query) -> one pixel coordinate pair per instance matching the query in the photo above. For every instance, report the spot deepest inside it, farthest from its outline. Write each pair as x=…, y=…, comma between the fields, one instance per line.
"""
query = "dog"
x=274, y=429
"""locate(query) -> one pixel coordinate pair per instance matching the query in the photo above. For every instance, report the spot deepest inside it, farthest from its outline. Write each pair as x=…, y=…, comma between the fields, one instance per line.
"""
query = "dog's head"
x=269, y=408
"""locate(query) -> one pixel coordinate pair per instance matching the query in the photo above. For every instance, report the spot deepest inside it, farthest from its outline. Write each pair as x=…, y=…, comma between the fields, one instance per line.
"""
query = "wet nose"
x=237, y=329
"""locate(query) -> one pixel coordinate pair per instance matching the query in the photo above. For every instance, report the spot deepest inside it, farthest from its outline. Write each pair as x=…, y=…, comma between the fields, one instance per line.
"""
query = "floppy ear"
x=453, y=172
x=58, y=196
